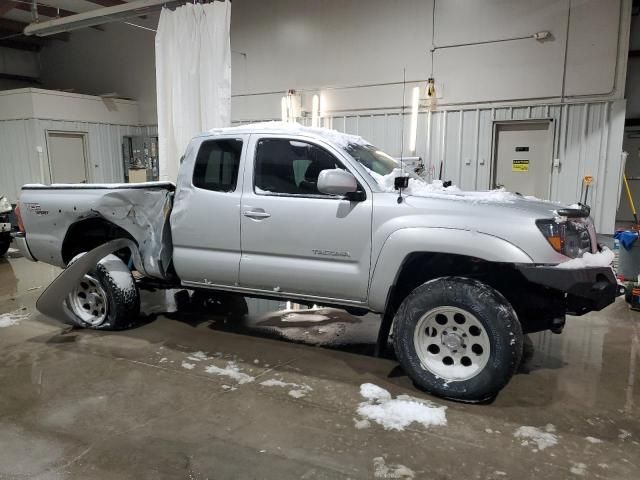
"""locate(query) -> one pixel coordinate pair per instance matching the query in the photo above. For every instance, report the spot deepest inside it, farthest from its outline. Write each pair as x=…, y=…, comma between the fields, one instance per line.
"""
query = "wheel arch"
x=410, y=251
x=89, y=233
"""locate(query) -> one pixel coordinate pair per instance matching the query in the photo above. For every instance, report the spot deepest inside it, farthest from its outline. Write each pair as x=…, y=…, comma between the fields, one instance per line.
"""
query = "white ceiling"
x=76, y=6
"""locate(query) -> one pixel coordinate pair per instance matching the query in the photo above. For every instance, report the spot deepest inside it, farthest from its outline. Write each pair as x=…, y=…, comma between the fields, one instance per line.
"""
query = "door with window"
x=294, y=238
x=206, y=232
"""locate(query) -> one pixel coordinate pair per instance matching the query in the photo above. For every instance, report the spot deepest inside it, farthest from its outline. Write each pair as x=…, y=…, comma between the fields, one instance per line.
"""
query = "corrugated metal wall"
x=587, y=141
x=20, y=161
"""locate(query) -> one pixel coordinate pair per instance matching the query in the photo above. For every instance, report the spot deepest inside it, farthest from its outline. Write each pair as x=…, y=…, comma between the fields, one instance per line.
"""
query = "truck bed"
x=54, y=215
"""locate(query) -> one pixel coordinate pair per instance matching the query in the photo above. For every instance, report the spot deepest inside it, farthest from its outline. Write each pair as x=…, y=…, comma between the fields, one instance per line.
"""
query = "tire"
x=458, y=338
x=115, y=299
x=219, y=303
x=4, y=245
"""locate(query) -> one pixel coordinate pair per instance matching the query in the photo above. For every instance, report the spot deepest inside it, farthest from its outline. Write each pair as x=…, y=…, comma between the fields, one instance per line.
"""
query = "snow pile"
x=198, y=356
x=188, y=366
x=578, y=468
x=396, y=414
x=13, y=318
x=420, y=188
x=542, y=438
x=382, y=470
x=338, y=138
x=297, y=390
x=593, y=440
x=600, y=259
x=231, y=370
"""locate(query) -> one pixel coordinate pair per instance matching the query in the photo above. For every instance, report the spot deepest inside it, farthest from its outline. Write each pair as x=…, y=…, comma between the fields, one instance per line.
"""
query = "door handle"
x=256, y=214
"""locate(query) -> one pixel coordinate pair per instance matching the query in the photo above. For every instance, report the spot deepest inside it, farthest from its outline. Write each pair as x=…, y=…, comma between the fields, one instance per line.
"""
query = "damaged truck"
x=318, y=217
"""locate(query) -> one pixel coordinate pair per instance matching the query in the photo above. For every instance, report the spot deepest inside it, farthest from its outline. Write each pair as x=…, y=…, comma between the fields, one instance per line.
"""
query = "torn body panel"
x=141, y=210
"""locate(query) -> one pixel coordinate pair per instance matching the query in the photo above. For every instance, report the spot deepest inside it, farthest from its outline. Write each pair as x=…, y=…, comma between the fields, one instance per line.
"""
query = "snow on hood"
x=340, y=139
x=421, y=188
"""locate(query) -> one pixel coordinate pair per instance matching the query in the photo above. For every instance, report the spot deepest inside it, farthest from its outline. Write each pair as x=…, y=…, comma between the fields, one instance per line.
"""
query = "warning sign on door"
x=520, y=166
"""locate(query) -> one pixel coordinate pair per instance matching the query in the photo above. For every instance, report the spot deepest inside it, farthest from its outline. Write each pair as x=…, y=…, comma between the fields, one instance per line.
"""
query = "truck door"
x=294, y=238
x=205, y=221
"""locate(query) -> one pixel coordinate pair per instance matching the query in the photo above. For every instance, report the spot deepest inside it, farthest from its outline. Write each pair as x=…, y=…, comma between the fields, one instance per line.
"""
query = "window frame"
x=309, y=141
x=244, y=142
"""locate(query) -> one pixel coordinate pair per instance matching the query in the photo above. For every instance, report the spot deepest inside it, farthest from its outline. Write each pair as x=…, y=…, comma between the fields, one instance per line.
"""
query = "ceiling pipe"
x=95, y=17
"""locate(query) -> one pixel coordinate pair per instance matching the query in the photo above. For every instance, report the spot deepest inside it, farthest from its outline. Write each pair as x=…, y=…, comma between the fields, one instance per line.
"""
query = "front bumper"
x=587, y=289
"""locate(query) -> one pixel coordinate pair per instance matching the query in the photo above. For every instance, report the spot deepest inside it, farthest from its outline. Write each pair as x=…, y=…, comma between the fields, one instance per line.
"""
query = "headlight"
x=5, y=205
x=570, y=237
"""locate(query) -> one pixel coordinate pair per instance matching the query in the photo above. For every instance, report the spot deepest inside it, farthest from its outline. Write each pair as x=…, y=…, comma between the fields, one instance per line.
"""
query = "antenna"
x=403, y=183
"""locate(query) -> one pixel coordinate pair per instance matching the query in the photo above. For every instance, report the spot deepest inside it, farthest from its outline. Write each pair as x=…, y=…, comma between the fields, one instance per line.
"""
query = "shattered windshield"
x=377, y=161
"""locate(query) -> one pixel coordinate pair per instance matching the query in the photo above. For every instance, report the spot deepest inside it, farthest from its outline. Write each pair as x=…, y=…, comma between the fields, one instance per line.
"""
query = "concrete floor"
x=81, y=404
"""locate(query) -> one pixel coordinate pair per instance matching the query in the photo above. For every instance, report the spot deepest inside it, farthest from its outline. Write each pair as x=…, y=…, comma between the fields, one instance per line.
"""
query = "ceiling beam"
x=6, y=6
x=107, y=3
x=19, y=78
x=9, y=27
x=45, y=10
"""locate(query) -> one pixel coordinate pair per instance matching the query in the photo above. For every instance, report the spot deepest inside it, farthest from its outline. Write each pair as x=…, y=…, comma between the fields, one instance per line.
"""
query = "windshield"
x=373, y=158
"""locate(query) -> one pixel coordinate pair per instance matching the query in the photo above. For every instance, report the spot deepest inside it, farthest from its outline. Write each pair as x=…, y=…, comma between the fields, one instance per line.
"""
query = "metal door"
x=67, y=157
x=311, y=245
x=205, y=221
x=522, y=160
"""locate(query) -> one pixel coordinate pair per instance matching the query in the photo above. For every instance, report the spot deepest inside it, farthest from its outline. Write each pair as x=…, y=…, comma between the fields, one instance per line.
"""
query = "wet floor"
x=194, y=395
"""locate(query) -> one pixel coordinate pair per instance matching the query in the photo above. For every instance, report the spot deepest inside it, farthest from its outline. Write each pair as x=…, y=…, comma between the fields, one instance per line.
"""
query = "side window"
x=217, y=165
x=290, y=166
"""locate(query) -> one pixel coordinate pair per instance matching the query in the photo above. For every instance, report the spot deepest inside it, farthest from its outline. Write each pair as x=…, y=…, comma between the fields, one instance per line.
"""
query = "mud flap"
x=52, y=301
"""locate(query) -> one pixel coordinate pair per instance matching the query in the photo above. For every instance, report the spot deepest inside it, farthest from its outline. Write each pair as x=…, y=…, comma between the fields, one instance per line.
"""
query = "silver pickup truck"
x=319, y=217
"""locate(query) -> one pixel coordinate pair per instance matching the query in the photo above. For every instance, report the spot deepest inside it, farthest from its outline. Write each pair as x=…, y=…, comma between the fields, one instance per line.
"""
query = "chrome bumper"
x=21, y=243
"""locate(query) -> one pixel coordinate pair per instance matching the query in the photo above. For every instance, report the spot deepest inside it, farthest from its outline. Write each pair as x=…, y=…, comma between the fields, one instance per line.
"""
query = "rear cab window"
x=217, y=165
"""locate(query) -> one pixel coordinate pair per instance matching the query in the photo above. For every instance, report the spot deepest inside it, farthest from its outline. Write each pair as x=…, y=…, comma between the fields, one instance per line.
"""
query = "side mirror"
x=337, y=182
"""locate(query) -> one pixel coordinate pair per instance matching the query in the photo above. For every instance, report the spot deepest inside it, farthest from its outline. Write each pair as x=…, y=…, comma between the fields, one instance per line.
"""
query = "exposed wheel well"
x=538, y=308
x=90, y=233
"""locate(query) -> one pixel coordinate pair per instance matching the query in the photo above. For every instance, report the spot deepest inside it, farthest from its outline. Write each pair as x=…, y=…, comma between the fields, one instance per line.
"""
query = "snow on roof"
x=338, y=138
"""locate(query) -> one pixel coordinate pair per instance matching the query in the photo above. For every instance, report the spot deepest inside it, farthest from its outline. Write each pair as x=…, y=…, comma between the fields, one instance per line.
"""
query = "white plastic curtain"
x=193, y=77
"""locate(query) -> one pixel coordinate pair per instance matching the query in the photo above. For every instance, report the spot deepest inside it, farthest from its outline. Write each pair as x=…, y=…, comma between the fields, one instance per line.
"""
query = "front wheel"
x=107, y=298
x=458, y=338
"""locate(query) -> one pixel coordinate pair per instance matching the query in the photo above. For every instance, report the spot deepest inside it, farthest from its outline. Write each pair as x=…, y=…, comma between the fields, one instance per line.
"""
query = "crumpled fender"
x=406, y=241
x=52, y=301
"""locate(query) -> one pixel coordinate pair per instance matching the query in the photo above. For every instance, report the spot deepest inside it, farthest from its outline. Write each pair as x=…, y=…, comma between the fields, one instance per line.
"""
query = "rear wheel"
x=458, y=338
x=107, y=298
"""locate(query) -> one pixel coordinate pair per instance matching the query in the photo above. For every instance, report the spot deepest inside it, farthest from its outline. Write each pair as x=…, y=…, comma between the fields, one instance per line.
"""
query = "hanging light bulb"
x=431, y=91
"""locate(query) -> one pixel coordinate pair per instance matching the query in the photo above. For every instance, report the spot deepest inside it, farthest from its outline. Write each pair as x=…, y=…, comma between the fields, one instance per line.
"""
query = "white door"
x=67, y=157
x=522, y=161
x=295, y=239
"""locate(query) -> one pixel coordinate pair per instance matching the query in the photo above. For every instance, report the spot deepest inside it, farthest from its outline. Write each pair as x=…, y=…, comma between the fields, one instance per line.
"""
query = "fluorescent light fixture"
x=284, y=109
x=315, y=111
x=413, y=132
x=95, y=17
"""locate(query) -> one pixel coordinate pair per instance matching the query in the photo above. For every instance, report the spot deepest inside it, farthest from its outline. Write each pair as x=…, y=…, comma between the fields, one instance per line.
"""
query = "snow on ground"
x=232, y=371
x=624, y=434
x=398, y=413
x=382, y=470
x=198, y=356
x=297, y=390
x=593, y=440
x=188, y=366
x=600, y=259
x=541, y=438
x=578, y=468
x=13, y=318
